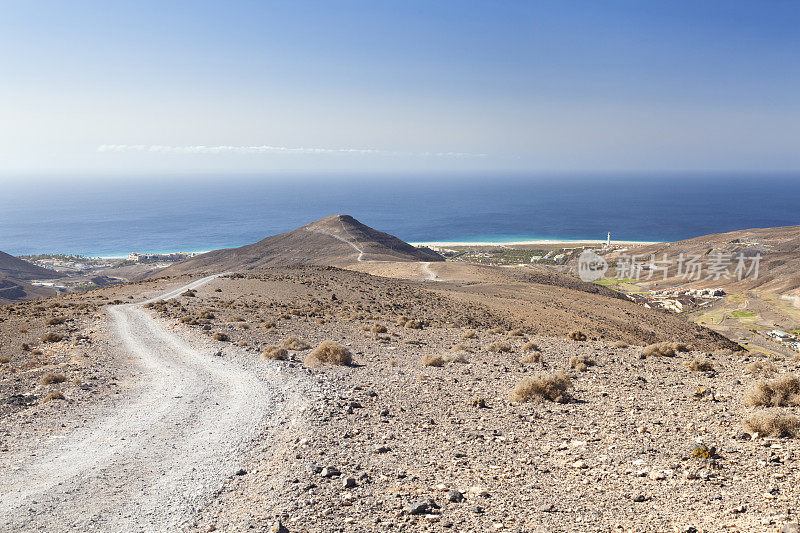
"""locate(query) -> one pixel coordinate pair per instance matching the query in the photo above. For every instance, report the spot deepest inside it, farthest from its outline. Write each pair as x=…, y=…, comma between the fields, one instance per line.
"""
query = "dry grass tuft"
x=577, y=335
x=56, y=320
x=471, y=334
x=530, y=347
x=517, y=332
x=5, y=359
x=760, y=366
x=293, y=343
x=461, y=348
x=52, y=337
x=581, y=363
x=459, y=357
x=54, y=395
x=219, y=336
x=776, y=393
x=275, y=352
x=49, y=379
x=701, y=365
x=666, y=349
x=499, y=347
x=619, y=344
x=550, y=387
x=532, y=357
x=498, y=330
x=770, y=424
x=432, y=360
x=329, y=352
x=378, y=328
x=413, y=324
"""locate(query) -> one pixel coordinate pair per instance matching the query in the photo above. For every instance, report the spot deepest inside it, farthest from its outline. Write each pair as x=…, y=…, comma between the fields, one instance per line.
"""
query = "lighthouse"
x=608, y=240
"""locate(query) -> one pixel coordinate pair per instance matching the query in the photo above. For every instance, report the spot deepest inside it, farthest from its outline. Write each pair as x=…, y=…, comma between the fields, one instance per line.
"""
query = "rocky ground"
x=390, y=444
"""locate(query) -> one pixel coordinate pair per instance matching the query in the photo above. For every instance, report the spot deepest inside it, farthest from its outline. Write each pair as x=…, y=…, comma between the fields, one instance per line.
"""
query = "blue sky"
x=199, y=86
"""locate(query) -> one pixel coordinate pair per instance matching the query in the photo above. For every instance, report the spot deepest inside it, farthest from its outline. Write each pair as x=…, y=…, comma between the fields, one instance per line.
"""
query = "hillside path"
x=155, y=460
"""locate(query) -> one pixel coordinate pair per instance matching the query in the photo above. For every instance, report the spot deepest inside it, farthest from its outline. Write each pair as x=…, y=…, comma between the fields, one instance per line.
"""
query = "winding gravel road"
x=152, y=462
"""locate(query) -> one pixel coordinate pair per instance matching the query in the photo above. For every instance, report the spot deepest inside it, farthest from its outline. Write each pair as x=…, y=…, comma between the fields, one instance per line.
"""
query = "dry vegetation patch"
x=49, y=379
x=581, y=363
x=775, y=393
x=760, y=366
x=329, y=352
x=275, y=352
x=293, y=343
x=666, y=349
x=551, y=387
x=577, y=335
x=499, y=347
x=768, y=423
x=432, y=360
x=219, y=336
x=532, y=357
x=701, y=365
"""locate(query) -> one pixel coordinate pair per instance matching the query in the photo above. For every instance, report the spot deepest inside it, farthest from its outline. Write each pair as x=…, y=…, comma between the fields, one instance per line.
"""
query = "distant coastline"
x=548, y=242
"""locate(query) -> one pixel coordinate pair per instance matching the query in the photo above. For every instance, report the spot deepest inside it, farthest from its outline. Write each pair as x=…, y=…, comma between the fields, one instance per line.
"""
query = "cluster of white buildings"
x=154, y=258
x=785, y=338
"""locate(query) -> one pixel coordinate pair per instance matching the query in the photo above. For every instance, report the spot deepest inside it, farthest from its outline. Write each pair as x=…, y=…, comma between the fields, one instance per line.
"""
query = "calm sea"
x=115, y=216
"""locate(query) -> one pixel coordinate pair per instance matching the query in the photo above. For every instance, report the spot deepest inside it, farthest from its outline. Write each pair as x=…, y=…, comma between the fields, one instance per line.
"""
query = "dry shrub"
x=459, y=357
x=5, y=359
x=191, y=293
x=243, y=325
x=581, y=363
x=329, y=352
x=771, y=424
x=471, y=334
x=532, y=357
x=275, y=352
x=530, y=347
x=52, y=337
x=432, y=360
x=776, y=393
x=701, y=365
x=461, y=348
x=619, y=344
x=54, y=395
x=551, y=387
x=189, y=320
x=498, y=330
x=219, y=336
x=576, y=335
x=499, y=347
x=208, y=315
x=56, y=320
x=666, y=349
x=516, y=332
x=760, y=366
x=413, y=324
x=378, y=328
x=236, y=319
x=49, y=379
x=25, y=347
x=293, y=343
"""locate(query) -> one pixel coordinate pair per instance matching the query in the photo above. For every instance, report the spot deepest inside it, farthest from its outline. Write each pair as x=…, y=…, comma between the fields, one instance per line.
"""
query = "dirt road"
x=153, y=461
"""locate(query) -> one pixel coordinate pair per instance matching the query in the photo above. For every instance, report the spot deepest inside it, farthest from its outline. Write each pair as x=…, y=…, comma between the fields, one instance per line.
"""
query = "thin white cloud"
x=265, y=149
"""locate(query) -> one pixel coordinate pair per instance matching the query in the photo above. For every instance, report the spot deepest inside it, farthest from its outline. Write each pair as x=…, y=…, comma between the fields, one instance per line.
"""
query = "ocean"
x=117, y=215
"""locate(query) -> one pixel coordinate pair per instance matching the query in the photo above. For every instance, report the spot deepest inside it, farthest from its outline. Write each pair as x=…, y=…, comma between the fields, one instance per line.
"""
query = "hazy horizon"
x=151, y=88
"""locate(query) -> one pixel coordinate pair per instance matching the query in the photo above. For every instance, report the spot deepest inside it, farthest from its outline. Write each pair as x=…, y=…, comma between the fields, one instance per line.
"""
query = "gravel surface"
x=153, y=459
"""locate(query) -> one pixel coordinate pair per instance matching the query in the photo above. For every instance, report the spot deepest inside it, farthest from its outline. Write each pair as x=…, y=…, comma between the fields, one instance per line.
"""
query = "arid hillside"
x=779, y=267
x=332, y=241
x=22, y=270
x=13, y=290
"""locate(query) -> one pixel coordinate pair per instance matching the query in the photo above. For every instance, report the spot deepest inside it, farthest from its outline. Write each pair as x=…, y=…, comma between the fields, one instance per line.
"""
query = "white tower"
x=608, y=242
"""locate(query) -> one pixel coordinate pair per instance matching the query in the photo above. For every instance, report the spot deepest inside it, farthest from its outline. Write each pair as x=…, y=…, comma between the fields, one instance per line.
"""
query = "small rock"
x=791, y=528
x=278, y=527
x=546, y=508
x=455, y=496
x=313, y=469
x=241, y=472
x=382, y=449
x=330, y=471
x=639, y=498
x=348, y=482
x=419, y=507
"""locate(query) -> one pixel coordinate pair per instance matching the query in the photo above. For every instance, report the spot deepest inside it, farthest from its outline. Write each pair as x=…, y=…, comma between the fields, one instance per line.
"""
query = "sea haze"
x=115, y=216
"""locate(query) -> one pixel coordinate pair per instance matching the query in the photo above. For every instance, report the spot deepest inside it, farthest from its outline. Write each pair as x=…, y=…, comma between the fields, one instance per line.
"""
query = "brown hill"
x=22, y=270
x=337, y=240
x=14, y=290
x=779, y=267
